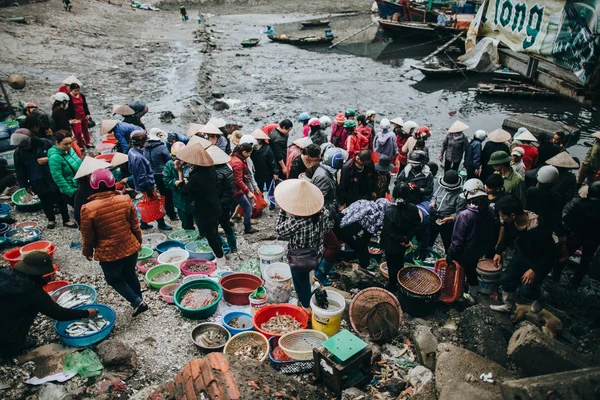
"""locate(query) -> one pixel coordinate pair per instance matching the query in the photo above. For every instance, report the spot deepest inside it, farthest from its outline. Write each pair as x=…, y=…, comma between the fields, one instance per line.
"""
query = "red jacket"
x=269, y=128
x=240, y=170
x=530, y=159
x=402, y=157
x=305, y=130
x=367, y=132
x=355, y=144
x=339, y=136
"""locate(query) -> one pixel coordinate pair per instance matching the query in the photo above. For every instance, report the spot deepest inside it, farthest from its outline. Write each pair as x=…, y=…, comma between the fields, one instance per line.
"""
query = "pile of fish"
x=86, y=326
x=213, y=338
x=250, y=352
x=29, y=199
x=240, y=322
x=165, y=276
x=198, y=298
x=280, y=324
x=71, y=299
x=23, y=234
x=198, y=266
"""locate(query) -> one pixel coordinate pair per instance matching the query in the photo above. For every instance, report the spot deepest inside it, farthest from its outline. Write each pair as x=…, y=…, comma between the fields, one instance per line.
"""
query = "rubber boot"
x=471, y=297
x=509, y=303
x=232, y=242
x=537, y=306
x=322, y=271
x=221, y=263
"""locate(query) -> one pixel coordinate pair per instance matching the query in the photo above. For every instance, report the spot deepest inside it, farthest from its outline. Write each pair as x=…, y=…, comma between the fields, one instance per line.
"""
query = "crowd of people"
x=345, y=182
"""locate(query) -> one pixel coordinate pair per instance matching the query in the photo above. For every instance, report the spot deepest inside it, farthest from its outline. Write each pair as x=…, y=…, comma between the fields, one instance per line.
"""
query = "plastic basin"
x=51, y=251
x=5, y=228
x=20, y=206
x=168, y=245
x=207, y=326
x=187, y=265
x=245, y=337
x=54, y=285
x=40, y=245
x=190, y=278
x=151, y=240
x=198, y=313
x=145, y=253
x=4, y=209
x=144, y=265
x=12, y=256
x=173, y=257
x=25, y=224
x=167, y=292
x=154, y=271
x=87, y=340
x=244, y=318
x=184, y=235
x=266, y=313
x=205, y=253
x=33, y=235
x=238, y=286
x=76, y=288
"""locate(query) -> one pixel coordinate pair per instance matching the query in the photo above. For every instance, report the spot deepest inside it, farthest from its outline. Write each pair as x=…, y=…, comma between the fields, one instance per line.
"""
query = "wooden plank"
x=445, y=46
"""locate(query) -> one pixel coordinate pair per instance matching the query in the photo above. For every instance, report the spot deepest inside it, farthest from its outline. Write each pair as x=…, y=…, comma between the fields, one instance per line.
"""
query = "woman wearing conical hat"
x=454, y=146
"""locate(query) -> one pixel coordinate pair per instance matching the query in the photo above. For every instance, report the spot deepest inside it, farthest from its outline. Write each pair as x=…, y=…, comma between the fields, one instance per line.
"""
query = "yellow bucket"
x=328, y=321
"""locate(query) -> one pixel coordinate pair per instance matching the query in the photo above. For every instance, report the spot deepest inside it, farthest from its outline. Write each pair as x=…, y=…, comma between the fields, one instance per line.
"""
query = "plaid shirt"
x=369, y=214
x=301, y=232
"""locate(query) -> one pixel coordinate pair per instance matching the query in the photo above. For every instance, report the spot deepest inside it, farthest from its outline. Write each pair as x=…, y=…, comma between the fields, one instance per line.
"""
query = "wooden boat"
x=315, y=22
x=250, y=42
x=302, y=41
x=416, y=30
x=513, y=90
x=433, y=69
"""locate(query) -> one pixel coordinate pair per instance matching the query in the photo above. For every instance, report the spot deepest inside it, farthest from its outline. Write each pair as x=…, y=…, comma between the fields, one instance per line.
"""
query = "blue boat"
x=388, y=8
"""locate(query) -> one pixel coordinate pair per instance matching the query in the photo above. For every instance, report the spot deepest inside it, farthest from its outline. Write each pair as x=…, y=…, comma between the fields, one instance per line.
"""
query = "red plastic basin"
x=40, y=245
x=12, y=256
x=266, y=313
x=238, y=286
x=52, y=286
x=50, y=276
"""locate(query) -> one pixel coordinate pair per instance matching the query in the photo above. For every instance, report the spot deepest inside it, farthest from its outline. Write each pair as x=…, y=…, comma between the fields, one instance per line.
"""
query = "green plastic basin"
x=198, y=313
x=152, y=272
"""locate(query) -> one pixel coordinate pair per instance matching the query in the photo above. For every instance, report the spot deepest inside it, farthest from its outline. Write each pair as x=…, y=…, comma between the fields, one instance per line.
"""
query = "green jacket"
x=515, y=185
x=181, y=202
x=63, y=167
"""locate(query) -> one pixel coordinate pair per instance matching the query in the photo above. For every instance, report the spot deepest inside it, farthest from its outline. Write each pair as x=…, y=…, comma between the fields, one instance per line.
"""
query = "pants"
x=187, y=219
x=49, y=200
x=164, y=191
x=358, y=239
x=395, y=262
x=445, y=231
x=301, y=281
x=331, y=246
x=448, y=165
x=224, y=219
x=211, y=232
x=245, y=204
x=262, y=184
x=471, y=173
x=470, y=267
x=82, y=133
x=587, y=254
x=512, y=272
x=121, y=276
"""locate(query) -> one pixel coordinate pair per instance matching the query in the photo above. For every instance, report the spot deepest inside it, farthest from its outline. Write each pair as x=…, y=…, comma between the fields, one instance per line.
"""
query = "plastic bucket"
x=257, y=304
x=279, y=289
x=268, y=255
x=328, y=321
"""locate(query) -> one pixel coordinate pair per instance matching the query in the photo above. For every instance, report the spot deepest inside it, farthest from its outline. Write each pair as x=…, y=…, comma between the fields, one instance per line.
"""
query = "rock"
x=537, y=354
x=426, y=344
x=218, y=95
x=572, y=385
x=50, y=391
x=375, y=353
x=220, y=106
x=393, y=386
x=391, y=352
x=426, y=392
x=351, y=278
x=419, y=376
x=166, y=116
x=485, y=332
x=454, y=363
x=117, y=353
x=352, y=394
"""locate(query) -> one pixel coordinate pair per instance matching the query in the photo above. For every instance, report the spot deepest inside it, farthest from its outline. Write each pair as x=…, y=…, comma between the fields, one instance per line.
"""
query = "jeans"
x=48, y=200
x=187, y=219
x=164, y=191
x=395, y=262
x=245, y=204
x=301, y=281
x=512, y=272
x=358, y=239
x=211, y=232
x=448, y=165
x=121, y=276
x=444, y=230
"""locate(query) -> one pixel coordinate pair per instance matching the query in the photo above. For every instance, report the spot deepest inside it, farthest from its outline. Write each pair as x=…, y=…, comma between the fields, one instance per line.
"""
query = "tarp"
x=559, y=31
x=483, y=57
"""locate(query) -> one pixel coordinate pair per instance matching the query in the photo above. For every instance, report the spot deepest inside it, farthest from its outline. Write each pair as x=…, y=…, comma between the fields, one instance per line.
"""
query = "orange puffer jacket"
x=109, y=224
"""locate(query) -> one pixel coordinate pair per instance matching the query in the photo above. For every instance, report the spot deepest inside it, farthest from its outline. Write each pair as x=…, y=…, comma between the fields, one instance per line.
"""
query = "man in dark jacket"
x=140, y=110
x=22, y=298
x=278, y=140
x=157, y=153
x=225, y=190
x=473, y=154
x=357, y=180
x=418, y=177
x=141, y=170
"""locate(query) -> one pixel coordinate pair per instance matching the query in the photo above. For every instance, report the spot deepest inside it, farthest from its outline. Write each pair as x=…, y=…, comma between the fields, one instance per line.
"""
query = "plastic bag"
x=271, y=192
x=151, y=209
x=86, y=363
x=259, y=205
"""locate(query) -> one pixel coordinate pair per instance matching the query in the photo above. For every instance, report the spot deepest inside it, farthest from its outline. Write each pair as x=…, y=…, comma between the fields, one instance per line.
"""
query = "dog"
x=549, y=323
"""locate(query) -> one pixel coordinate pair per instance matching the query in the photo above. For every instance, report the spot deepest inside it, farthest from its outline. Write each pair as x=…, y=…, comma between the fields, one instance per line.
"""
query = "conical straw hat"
x=89, y=165
x=210, y=129
x=119, y=159
x=218, y=122
x=299, y=197
x=195, y=155
x=197, y=139
x=106, y=125
x=193, y=129
x=123, y=109
x=303, y=142
x=259, y=134
x=563, y=160
x=596, y=135
x=458, y=126
x=499, y=136
x=218, y=155
x=526, y=135
x=72, y=79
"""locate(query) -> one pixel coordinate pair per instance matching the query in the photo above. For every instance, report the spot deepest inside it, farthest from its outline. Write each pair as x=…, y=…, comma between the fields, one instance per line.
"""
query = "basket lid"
x=419, y=280
x=366, y=300
x=487, y=265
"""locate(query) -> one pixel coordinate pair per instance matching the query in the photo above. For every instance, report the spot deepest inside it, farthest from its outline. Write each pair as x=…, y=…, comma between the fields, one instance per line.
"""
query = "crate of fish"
x=87, y=331
x=198, y=299
x=75, y=295
x=281, y=362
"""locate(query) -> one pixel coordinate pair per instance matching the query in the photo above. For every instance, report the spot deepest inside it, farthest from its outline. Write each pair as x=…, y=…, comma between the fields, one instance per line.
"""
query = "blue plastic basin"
x=169, y=244
x=233, y=314
x=87, y=340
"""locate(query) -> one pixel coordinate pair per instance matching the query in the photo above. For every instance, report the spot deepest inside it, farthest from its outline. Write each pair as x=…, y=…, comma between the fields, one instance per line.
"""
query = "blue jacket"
x=473, y=154
x=122, y=133
x=156, y=152
x=140, y=169
x=178, y=137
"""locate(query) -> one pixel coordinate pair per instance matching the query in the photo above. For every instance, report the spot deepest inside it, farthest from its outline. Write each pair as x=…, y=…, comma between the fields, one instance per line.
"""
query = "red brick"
x=207, y=373
x=186, y=372
x=179, y=393
x=231, y=385
x=218, y=362
x=189, y=389
x=195, y=368
x=215, y=392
